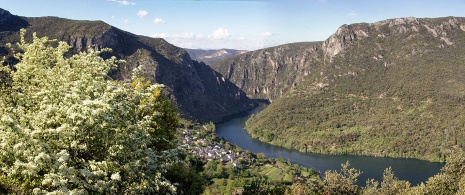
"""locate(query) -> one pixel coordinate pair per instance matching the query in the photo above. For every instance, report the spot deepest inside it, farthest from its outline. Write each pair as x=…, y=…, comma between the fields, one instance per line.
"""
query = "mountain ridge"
x=161, y=62
x=389, y=88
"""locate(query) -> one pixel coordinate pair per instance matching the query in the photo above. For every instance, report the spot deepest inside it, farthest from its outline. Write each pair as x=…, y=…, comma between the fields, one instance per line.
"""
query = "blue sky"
x=236, y=24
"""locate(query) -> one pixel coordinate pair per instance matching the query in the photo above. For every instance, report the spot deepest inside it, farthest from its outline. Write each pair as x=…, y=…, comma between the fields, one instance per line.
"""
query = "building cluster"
x=202, y=148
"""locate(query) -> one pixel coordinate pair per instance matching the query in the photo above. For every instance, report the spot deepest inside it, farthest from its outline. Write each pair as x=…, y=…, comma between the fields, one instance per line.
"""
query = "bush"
x=65, y=127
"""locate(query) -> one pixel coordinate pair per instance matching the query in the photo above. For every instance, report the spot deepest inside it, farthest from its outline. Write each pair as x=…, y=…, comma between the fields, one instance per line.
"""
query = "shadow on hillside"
x=14, y=23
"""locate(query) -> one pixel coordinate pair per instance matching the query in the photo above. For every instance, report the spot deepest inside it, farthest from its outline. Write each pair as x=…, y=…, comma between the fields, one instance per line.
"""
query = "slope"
x=160, y=61
x=269, y=73
x=391, y=88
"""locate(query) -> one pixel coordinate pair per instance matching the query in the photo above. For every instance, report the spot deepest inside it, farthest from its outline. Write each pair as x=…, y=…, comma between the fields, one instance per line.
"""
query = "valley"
x=390, y=88
x=384, y=97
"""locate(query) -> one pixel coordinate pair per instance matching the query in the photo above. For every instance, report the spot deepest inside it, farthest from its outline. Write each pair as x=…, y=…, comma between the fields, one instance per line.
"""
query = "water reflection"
x=412, y=170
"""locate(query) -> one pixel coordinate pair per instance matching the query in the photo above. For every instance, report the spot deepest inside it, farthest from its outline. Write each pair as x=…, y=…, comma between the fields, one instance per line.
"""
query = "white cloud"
x=159, y=21
x=220, y=33
x=126, y=21
x=184, y=36
x=123, y=2
x=267, y=34
x=220, y=38
x=352, y=14
x=142, y=13
x=161, y=35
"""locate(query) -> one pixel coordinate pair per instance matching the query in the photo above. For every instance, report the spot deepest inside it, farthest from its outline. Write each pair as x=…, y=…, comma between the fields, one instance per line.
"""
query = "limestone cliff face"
x=414, y=27
x=399, y=81
x=269, y=73
x=199, y=92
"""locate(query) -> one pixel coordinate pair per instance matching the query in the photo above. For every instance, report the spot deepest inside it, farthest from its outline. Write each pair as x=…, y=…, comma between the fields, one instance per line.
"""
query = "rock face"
x=200, y=93
x=4, y=15
x=270, y=73
x=390, y=88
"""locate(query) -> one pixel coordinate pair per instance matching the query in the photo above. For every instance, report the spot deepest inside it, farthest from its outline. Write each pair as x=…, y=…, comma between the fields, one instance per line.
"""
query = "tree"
x=65, y=127
x=259, y=186
x=392, y=185
x=344, y=182
x=450, y=180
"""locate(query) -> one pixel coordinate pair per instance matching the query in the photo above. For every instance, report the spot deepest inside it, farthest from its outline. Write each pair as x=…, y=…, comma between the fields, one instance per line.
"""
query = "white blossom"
x=63, y=112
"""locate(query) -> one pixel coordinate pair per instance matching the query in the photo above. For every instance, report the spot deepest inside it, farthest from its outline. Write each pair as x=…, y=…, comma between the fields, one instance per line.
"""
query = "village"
x=203, y=148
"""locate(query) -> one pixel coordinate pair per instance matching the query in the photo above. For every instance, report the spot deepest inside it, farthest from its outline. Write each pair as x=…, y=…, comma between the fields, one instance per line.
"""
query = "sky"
x=234, y=24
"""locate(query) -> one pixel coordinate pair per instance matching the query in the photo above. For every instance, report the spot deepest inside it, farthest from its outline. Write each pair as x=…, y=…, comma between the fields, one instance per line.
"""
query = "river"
x=412, y=170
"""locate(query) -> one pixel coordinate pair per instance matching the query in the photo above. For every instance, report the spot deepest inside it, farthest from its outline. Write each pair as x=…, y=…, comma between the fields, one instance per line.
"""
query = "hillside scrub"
x=65, y=127
x=388, y=93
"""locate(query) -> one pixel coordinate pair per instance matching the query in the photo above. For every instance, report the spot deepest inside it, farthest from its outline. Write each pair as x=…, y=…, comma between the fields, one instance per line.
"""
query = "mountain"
x=212, y=56
x=390, y=88
x=269, y=73
x=201, y=93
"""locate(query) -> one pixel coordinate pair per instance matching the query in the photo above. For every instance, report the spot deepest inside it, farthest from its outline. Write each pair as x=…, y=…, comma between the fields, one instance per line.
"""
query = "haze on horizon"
x=235, y=24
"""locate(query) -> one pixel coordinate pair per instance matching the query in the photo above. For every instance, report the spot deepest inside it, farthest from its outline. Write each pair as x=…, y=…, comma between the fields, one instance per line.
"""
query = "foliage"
x=387, y=94
x=66, y=127
x=187, y=176
x=262, y=187
x=450, y=180
x=272, y=175
x=389, y=185
x=344, y=182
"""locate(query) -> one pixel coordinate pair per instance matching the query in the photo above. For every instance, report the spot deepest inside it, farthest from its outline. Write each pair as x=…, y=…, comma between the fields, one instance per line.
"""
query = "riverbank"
x=413, y=170
x=232, y=169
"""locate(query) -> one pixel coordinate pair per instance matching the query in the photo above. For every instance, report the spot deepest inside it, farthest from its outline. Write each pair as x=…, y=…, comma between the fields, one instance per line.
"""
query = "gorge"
x=412, y=170
x=389, y=93
x=390, y=88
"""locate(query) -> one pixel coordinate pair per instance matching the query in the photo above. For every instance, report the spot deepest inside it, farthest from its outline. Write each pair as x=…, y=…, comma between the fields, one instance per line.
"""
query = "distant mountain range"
x=390, y=88
x=201, y=93
x=212, y=56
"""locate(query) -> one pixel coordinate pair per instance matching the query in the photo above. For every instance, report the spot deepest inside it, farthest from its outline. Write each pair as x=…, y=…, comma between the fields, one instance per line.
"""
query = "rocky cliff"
x=390, y=88
x=200, y=93
x=269, y=73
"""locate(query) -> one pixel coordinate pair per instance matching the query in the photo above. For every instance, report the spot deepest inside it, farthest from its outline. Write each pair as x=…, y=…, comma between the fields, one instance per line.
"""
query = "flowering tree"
x=65, y=127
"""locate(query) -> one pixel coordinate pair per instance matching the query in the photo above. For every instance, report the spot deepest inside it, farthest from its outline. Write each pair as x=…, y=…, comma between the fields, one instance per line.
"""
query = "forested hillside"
x=159, y=61
x=391, y=88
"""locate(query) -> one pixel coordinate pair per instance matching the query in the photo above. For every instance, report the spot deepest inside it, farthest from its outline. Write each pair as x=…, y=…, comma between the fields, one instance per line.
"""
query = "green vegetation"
x=162, y=63
x=271, y=72
x=398, y=95
x=65, y=127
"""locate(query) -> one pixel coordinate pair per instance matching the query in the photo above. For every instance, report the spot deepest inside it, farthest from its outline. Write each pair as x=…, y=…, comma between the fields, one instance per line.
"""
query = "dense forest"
x=387, y=94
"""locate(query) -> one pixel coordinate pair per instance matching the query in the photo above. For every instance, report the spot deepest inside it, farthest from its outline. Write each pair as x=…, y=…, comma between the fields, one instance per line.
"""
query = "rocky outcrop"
x=386, y=89
x=200, y=93
x=4, y=15
x=344, y=36
x=269, y=73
